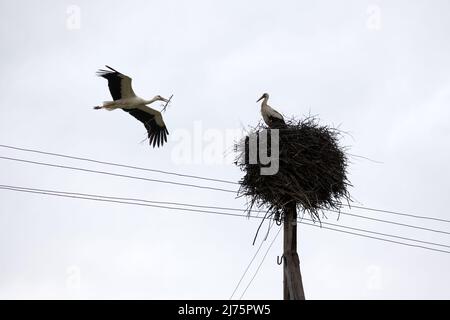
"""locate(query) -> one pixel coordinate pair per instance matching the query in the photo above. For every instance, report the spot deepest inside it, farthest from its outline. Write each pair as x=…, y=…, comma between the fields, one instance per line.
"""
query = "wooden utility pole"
x=292, y=281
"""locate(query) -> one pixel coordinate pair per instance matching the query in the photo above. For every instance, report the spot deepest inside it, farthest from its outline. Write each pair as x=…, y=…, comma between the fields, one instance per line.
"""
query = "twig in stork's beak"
x=167, y=103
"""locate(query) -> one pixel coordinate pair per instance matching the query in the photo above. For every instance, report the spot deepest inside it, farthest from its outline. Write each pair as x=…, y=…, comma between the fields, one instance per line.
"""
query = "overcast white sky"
x=380, y=69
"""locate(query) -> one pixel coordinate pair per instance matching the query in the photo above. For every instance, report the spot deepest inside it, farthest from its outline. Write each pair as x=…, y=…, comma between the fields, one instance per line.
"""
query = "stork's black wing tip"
x=102, y=72
x=157, y=139
x=111, y=68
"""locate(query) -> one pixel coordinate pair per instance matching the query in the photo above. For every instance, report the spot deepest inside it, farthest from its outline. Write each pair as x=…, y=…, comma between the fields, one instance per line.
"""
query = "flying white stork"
x=125, y=99
x=271, y=117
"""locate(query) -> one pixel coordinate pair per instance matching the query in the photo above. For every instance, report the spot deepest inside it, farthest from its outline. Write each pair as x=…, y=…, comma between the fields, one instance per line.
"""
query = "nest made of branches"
x=312, y=171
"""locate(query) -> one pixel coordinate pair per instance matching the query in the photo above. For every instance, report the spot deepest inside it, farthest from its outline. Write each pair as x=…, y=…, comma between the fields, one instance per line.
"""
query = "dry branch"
x=312, y=170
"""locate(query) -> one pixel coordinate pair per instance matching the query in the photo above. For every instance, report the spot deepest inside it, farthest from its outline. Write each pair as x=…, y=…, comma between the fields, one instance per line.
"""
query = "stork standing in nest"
x=271, y=117
x=125, y=99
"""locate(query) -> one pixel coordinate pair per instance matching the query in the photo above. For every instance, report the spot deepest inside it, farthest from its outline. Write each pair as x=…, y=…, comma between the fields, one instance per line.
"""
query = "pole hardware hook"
x=280, y=260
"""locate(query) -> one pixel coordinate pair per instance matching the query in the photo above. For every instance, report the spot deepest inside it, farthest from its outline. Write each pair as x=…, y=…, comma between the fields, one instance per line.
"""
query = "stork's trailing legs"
x=108, y=105
x=110, y=108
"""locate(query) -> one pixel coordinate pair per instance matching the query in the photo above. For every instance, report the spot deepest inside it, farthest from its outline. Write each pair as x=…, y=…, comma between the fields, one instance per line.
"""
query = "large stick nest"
x=312, y=170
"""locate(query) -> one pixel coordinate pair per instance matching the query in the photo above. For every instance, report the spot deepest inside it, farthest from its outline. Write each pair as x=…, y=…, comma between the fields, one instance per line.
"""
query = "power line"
x=202, y=187
x=260, y=264
x=124, y=202
x=202, y=178
x=210, y=207
x=116, y=164
x=210, y=212
x=115, y=174
x=246, y=270
x=381, y=234
x=390, y=222
x=126, y=198
x=205, y=207
x=376, y=238
x=399, y=213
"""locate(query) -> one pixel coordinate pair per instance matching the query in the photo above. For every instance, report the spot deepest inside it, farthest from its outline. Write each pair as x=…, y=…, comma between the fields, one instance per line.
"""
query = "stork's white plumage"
x=271, y=117
x=125, y=99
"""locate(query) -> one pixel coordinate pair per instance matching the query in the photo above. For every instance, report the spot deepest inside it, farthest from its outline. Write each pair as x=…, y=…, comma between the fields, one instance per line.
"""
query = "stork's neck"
x=264, y=102
x=151, y=100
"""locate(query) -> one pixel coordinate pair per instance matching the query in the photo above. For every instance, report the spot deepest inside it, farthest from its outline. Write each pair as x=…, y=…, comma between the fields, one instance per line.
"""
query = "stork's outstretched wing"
x=118, y=83
x=153, y=122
